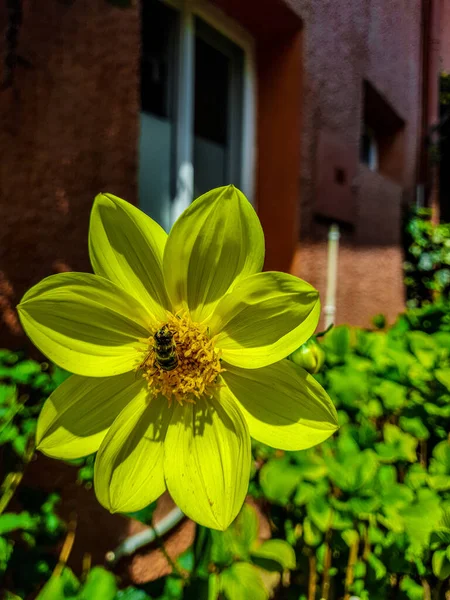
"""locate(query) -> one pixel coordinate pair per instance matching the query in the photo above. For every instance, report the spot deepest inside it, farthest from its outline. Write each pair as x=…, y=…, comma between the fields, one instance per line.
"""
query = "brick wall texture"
x=69, y=129
x=345, y=43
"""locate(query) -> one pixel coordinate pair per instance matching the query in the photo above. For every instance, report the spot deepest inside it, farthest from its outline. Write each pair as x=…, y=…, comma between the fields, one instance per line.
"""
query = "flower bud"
x=310, y=356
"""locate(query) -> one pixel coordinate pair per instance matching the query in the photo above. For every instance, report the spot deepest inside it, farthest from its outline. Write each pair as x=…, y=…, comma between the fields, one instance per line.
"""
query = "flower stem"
x=312, y=583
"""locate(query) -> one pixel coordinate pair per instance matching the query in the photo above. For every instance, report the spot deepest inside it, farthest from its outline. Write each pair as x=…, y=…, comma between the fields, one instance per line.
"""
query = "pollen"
x=191, y=366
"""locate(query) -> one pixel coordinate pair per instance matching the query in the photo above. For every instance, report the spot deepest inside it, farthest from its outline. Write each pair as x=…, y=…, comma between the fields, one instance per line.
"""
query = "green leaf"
x=377, y=566
x=441, y=564
x=413, y=590
x=279, y=480
x=311, y=466
x=12, y=521
x=422, y=518
x=213, y=586
x=186, y=560
x=442, y=532
x=24, y=371
x=237, y=541
x=441, y=483
x=397, y=445
x=6, y=548
x=393, y=395
x=100, y=583
x=132, y=593
x=278, y=552
x=397, y=497
x=424, y=348
x=416, y=476
x=305, y=493
x=241, y=582
x=350, y=536
x=443, y=376
x=354, y=471
x=311, y=533
x=414, y=426
x=173, y=588
x=8, y=394
x=336, y=344
x=320, y=513
x=440, y=461
x=246, y=526
x=360, y=569
x=363, y=507
x=60, y=587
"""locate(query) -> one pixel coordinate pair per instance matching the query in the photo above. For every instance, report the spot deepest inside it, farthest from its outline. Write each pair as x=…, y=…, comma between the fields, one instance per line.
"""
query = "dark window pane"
x=157, y=129
x=366, y=142
x=159, y=23
x=211, y=92
x=218, y=101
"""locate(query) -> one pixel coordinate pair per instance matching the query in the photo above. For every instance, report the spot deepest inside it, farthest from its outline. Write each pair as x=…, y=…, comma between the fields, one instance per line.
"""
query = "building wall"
x=70, y=124
x=68, y=130
x=345, y=43
x=445, y=35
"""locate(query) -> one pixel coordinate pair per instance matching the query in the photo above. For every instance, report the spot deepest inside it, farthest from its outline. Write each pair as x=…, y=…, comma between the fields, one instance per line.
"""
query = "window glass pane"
x=159, y=32
x=158, y=25
x=212, y=76
x=217, y=109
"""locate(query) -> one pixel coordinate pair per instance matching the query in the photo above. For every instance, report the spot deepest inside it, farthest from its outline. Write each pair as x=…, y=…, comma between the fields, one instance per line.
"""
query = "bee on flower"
x=178, y=346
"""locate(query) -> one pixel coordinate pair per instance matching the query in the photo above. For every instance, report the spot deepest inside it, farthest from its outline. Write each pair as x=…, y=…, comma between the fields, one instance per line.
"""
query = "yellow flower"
x=178, y=345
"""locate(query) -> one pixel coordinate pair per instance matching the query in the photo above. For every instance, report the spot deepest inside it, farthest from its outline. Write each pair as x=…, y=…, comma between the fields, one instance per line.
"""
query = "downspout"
x=422, y=151
x=428, y=174
x=433, y=101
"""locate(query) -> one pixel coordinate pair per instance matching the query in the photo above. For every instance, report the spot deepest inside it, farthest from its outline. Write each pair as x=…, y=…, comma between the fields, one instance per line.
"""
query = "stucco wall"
x=345, y=43
x=445, y=35
x=70, y=127
x=68, y=130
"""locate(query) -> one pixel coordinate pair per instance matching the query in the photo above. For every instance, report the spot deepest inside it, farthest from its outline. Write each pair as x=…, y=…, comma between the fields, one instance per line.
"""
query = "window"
x=369, y=148
x=382, y=135
x=197, y=129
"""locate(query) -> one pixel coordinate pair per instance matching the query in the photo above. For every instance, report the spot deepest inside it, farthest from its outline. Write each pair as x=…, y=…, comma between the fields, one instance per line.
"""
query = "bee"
x=165, y=349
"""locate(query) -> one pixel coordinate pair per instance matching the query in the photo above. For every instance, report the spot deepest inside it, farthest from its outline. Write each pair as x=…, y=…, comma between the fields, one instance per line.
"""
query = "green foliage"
x=382, y=483
x=427, y=268
x=25, y=537
x=100, y=584
x=369, y=509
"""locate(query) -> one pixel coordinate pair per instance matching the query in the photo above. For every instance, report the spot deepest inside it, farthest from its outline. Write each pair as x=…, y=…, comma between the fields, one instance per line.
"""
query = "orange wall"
x=279, y=136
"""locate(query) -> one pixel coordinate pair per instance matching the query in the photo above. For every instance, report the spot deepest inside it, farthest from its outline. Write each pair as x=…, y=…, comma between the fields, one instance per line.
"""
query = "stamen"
x=197, y=362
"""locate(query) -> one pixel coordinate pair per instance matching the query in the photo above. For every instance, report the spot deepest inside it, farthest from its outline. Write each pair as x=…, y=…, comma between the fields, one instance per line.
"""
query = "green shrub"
x=367, y=513
x=26, y=537
x=427, y=268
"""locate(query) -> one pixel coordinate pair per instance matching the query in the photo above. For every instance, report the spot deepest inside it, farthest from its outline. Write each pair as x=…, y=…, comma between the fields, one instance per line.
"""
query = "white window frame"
x=189, y=9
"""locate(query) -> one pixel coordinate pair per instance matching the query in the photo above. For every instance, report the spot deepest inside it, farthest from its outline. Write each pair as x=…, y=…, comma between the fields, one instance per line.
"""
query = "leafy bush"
x=366, y=513
x=26, y=537
x=427, y=268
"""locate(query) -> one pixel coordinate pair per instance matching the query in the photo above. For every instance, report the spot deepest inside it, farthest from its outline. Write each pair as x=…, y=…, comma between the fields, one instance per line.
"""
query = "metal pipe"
x=136, y=541
x=333, y=251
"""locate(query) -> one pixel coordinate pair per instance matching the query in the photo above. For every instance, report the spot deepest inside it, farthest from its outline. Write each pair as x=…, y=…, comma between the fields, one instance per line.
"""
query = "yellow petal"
x=265, y=318
x=207, y=461
x=127, y=246
x=77, y=415
x=216, y=242
x=283, y=405
x=128, y=473
x=85, y=324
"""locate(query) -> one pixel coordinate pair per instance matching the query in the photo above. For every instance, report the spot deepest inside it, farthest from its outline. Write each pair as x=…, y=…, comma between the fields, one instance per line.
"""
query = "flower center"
x=181, y=362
